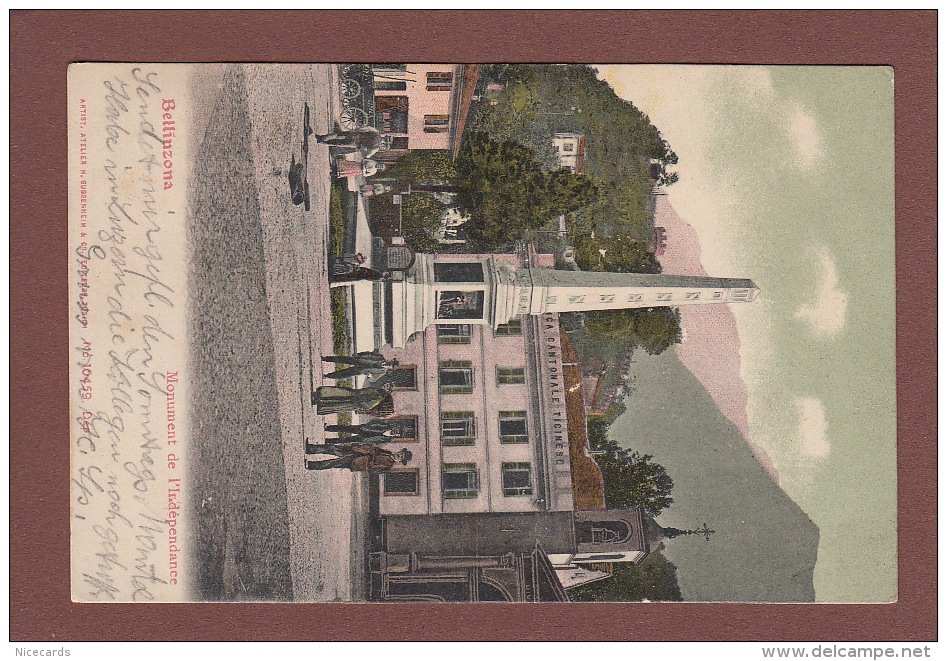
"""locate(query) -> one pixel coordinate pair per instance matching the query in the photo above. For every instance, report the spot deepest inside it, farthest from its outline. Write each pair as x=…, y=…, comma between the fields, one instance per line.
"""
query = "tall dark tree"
x=506, y=192
x=655, y=580
x=656, y=329
x=632, y=479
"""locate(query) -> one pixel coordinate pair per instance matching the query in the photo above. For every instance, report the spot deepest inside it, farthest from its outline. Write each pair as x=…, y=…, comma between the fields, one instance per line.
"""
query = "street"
x=327, y=510
x=264, y=527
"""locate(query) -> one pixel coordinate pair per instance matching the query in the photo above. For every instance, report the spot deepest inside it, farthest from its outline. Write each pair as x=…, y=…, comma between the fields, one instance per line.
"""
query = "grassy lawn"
x=336, y=222
x=339, y=297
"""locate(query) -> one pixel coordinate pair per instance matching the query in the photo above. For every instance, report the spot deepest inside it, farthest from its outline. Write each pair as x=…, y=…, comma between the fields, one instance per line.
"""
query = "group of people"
x=349, y=268
x=364, y=142
x=357, y=447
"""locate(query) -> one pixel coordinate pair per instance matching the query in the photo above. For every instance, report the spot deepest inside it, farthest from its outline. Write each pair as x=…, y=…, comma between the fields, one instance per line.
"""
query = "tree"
x=656, y=329
x=506, y=193
x=667, y=178
x=655, y=579
x=424, y=166
x=653, y=329
x=623, y=254
x=632, y=479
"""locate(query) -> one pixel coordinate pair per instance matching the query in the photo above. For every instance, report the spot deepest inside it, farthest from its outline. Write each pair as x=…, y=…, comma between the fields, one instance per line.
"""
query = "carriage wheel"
x=352, y=69
x=353, y=118
x=350, y=88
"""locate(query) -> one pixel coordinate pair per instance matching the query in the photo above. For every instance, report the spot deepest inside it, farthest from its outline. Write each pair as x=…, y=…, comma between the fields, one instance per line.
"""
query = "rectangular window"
x=390, y=85
x=740, y=295
x=664, y=297
x=401, y=482
x=692, y=296
x=453, y=333
x=457, y=428
x=458, y=272
x=436, y=123
x=510, y=375
x=576, y=299
x=517, y=479
x=460, y=480
x=607, y=298
x=455, y=377
x=399, y=143
x=634, y=297
x=512, y=327
x=513, y=427
x=404, y=377
x=568, y=147
x=404, y=428
x=718, y=295
x=439, y=81
x=392, y=112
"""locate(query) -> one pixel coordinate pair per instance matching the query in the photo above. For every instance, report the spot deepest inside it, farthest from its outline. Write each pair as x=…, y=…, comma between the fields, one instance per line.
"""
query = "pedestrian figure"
x=356, y=274
x=370, y=428
x=370, y=190
x=366, y=140
x=345, y=264
x=357, y=458
x=346, y=169
x=378, y=439
x=336, y=399
x=365, y=362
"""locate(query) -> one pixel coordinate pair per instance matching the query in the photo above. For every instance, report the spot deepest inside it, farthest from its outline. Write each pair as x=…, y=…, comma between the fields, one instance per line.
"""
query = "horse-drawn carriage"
x=357, y=96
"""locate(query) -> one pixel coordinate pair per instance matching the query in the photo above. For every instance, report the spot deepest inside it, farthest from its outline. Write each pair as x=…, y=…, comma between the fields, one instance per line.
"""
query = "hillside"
x=765, y=546
x=712, y=348
x=541, y=100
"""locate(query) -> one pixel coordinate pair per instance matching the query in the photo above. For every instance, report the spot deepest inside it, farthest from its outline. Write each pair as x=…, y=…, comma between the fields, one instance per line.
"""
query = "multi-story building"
x=501, y=489
x=570, y=151
x=487, y=401
x=422, y=106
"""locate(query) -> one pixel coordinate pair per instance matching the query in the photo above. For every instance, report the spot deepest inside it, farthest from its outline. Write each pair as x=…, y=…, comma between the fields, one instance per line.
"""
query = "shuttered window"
x=513, y=427
x=517, y=479
x=460, y=480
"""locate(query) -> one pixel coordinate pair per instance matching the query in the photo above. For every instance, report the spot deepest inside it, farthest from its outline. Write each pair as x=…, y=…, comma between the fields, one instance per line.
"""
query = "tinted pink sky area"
x=711, y=346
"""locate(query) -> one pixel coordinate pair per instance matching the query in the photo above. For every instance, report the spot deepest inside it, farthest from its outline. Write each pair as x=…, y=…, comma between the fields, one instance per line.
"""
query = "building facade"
x=487, y=402
x=422, y=106
x=502, y=489
x=570, y=151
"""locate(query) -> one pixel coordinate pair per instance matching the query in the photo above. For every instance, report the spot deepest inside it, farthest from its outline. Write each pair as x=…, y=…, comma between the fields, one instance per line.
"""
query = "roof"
x=549, y=586
x=588, y=485
x=470, y=74
x=580, y=156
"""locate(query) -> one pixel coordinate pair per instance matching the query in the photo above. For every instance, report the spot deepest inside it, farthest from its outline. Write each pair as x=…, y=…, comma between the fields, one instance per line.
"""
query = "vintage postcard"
x=482, y=333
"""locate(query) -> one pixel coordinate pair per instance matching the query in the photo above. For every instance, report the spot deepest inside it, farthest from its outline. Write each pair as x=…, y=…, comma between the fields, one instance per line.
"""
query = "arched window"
x=602, y=532
x=491, y=591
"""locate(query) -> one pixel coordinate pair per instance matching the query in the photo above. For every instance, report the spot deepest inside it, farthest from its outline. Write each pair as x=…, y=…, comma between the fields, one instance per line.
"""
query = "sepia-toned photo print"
x=382, y=332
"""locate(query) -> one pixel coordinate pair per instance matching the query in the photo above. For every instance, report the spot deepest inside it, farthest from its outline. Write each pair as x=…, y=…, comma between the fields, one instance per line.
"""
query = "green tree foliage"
x=655, y=579
x=621, y=141
x=623, y=254
x=656, y=329
x=632, y=479
x=424, y=166
x=506, y=193
x=652, y=329
x=420, y=218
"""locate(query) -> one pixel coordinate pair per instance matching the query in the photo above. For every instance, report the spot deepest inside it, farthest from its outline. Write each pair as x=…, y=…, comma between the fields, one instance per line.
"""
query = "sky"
x=787, y=175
